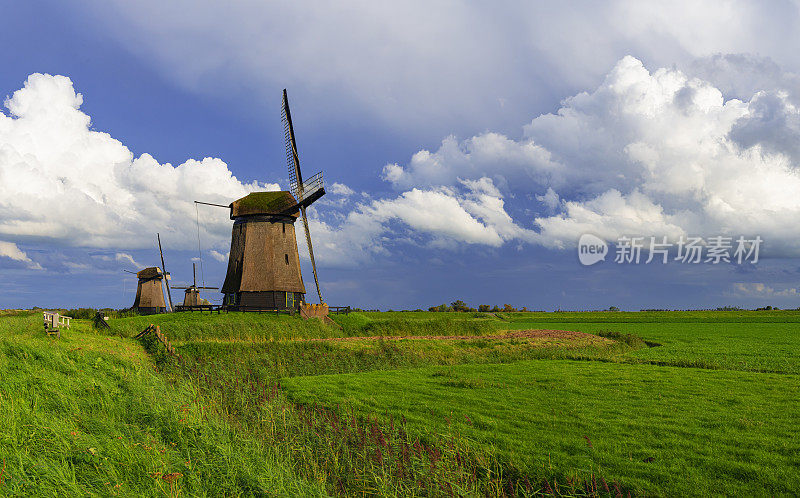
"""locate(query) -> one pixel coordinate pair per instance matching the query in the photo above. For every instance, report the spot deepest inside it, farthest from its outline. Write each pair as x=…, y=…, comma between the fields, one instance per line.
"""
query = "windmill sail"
x=301, y=191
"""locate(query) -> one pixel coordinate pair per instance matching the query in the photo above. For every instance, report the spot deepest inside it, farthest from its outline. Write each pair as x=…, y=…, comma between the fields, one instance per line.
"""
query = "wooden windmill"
x=191, y=296
x=149, y=290
x=264, y=265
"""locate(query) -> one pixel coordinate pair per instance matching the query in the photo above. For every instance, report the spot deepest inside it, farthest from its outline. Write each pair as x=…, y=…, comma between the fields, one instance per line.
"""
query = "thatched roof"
x=264, y=203
x=152, y=272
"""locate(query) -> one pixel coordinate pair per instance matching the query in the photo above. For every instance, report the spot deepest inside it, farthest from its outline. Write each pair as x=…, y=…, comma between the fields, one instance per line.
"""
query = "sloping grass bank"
x=271, y=361
x=255, y=327
x=90, y=415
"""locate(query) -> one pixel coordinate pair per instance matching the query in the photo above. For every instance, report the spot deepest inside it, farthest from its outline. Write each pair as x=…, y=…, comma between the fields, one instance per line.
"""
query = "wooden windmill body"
x=264, y=264
x=149, y=292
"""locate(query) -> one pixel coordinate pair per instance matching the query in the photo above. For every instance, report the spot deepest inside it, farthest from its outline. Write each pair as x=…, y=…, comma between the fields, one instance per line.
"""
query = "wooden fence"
x=53, y=323
x=155, y=329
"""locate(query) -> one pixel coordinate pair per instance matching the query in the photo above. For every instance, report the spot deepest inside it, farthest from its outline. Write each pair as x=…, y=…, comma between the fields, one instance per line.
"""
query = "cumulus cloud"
x=644, y=153
x=11, y=251
x=471, y=213
x=478, y=156
x=658, y=153
x=64, y=183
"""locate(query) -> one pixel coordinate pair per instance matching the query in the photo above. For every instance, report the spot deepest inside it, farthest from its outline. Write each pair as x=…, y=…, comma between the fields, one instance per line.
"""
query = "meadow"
x=405, y=403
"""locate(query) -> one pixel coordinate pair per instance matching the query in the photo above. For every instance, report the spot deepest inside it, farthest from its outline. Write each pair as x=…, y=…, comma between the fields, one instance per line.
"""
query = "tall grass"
x=225, y=327
x=89, y=415
x=275, y=360
x=254, y=327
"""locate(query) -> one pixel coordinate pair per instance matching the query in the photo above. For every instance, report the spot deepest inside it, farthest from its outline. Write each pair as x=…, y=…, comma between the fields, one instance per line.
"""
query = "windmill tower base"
x=264, y=265
x=263, y=300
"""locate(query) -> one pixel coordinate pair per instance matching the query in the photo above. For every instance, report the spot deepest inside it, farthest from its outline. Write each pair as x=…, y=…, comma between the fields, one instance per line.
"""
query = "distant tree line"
x=460, y=305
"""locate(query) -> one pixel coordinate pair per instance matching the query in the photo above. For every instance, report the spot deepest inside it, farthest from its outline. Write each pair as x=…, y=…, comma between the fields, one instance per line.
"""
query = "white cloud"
x=11, y=251
x=550, y=199
x=341, y=189
x=473, y=213
x=74, y=267
x=645, y=153
x=127, y=258
x=62, y=182
x=222, y=258
x=489, y=154
x=666, y=162
x=760, y=290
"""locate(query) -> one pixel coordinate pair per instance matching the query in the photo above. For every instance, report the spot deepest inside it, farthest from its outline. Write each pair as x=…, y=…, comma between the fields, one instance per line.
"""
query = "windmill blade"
x=180, y=287
x=292, y=159
x=311, y=252
x=164, y=269
x=130, y=271
x=296, y=180
x=206, y=287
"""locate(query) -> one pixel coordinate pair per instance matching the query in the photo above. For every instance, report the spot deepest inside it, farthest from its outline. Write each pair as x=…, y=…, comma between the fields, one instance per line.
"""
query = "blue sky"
x=465, y=148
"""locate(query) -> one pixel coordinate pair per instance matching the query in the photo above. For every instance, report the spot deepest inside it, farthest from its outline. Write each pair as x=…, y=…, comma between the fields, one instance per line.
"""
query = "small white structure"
x=53, y=323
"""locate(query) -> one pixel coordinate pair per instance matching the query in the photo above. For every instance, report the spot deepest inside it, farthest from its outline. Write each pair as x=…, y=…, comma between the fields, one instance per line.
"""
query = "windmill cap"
x=263, y=203
x=151, y=272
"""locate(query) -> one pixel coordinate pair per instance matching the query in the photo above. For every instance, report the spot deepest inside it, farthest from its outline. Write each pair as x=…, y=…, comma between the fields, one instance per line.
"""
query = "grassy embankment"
x=90, y=415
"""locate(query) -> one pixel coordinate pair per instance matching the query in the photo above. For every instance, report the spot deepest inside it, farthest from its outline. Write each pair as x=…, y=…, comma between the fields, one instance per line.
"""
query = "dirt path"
x=518, y=334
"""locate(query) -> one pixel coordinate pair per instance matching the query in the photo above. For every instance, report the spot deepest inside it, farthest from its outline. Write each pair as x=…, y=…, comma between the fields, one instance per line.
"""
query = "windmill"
x=264, y=264
x=149, y=290
x=192, y=293
x=149, y=293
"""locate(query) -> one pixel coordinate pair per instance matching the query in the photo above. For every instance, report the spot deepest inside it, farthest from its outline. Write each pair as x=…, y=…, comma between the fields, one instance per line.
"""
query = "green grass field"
x=678, y=403
x=707, y=431
x=89, y=415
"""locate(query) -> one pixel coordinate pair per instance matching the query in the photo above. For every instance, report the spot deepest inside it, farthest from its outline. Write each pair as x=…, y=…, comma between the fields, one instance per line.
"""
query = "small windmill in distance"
x=149, y=290
x=191, y=296
x=264, y=264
